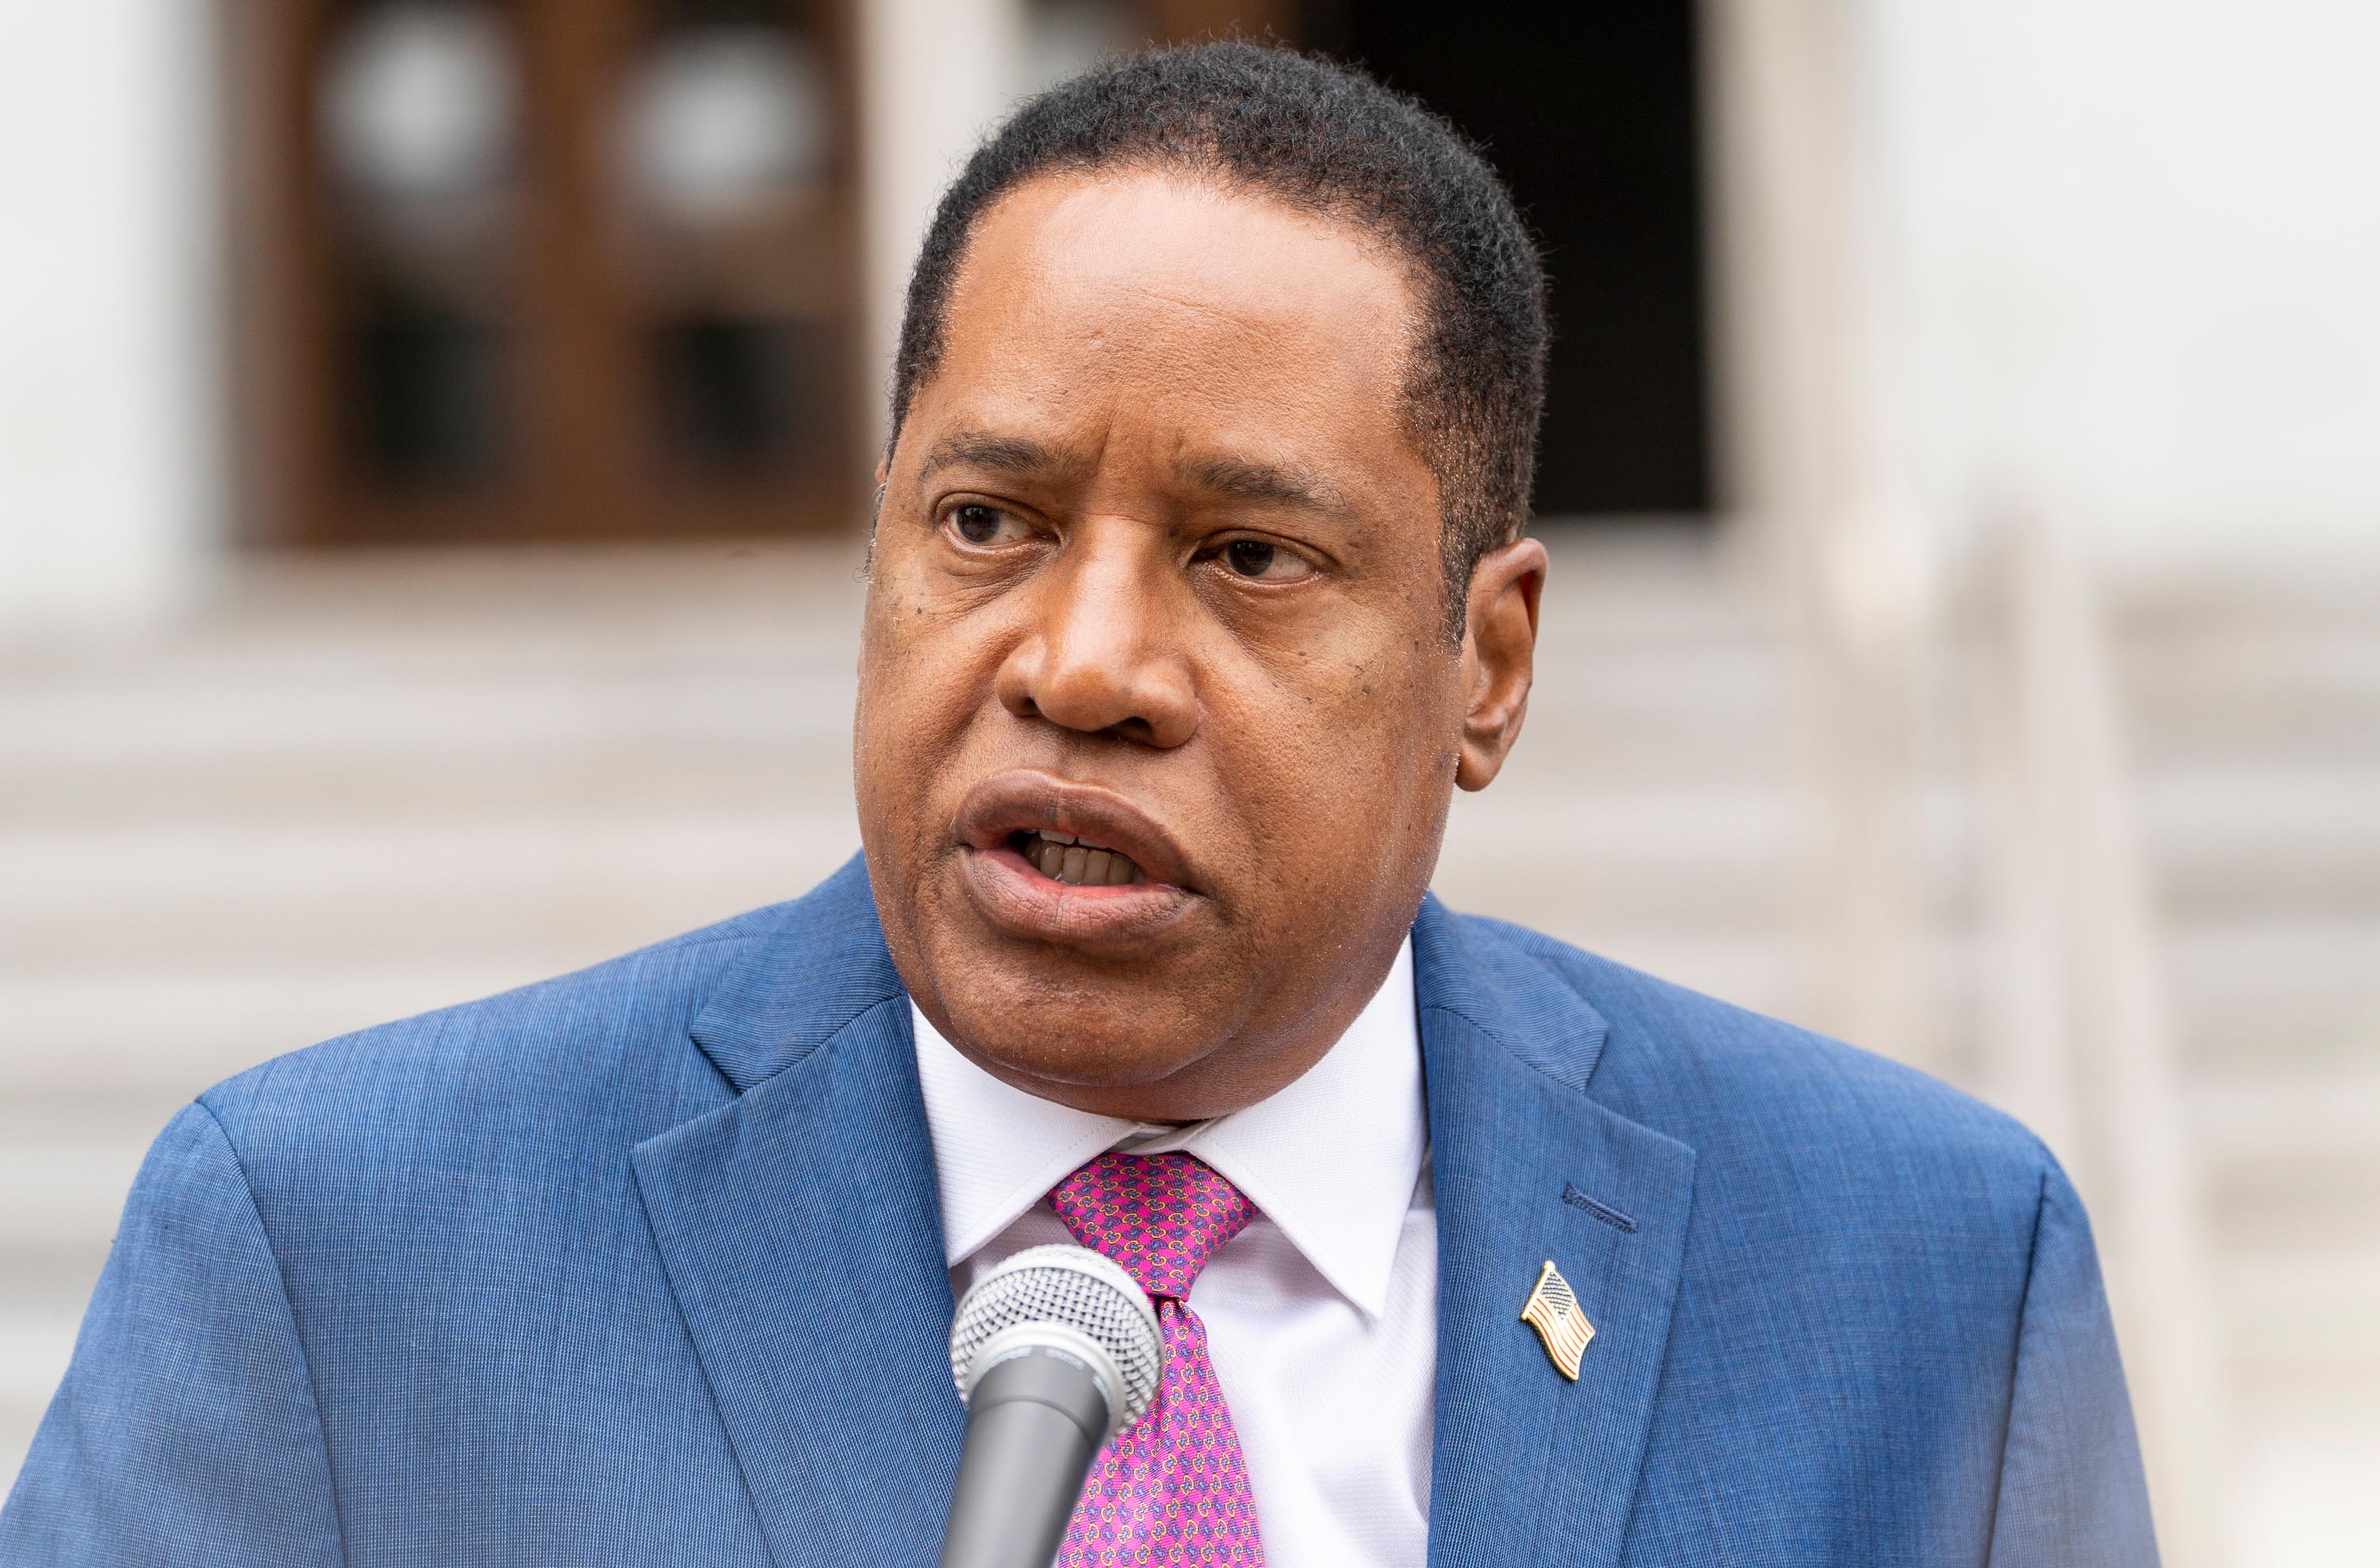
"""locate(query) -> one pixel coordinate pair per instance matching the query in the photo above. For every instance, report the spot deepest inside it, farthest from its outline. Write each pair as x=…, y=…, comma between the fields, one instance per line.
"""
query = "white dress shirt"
x=1322, y=1314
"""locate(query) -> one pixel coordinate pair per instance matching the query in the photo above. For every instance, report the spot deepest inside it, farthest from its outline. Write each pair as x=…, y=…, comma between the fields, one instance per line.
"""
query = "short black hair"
x=1323, y=137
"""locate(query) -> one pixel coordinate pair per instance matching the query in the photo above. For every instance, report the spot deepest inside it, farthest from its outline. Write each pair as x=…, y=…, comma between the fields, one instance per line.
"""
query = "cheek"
x=1335, y=751
x=922, y=680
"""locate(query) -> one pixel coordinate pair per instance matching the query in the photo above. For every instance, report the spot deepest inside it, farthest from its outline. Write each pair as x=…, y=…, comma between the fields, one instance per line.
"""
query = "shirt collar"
x=1332, y=1158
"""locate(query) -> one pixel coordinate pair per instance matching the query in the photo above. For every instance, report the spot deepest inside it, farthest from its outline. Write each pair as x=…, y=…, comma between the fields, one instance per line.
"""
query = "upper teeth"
x=1063, y=858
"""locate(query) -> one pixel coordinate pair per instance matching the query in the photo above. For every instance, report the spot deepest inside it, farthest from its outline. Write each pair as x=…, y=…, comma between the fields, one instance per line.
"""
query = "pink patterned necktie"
x=1172, y=1489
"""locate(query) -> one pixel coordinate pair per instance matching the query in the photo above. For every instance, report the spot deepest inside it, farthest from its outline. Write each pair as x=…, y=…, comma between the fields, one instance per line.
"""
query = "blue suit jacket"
x=645, y=1265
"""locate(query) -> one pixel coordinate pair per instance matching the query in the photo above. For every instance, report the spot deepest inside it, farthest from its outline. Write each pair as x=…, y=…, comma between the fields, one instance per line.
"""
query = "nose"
x=1103, y=654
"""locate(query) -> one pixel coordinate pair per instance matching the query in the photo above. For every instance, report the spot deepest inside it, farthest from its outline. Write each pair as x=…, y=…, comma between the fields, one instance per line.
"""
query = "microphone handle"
x=1035, y=1422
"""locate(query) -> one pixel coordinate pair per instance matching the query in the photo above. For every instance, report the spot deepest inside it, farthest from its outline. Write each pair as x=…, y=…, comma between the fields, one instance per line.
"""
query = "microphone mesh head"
x=1076, y=1287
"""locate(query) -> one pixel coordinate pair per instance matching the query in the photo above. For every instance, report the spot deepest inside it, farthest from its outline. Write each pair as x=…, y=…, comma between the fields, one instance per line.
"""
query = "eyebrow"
x=1234, y=478
x=1226, y=479
x=1000, y=454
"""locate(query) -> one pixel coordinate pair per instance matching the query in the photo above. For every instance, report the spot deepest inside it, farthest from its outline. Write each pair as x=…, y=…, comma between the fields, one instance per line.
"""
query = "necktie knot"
x=1159, y=1216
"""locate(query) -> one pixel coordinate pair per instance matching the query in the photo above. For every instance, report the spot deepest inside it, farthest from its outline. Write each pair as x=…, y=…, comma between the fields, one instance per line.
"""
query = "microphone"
x=1054, y=1351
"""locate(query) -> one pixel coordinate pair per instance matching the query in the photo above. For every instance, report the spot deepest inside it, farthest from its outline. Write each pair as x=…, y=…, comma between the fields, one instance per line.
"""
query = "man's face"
x=1159, y=718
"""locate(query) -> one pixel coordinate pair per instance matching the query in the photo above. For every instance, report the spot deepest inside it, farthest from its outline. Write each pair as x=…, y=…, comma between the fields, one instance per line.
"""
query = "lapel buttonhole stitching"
x=1603, y=1211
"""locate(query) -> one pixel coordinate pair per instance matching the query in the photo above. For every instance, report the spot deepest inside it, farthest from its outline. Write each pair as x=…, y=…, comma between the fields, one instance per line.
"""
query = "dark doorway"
x=1590, y=112
x=547, y=268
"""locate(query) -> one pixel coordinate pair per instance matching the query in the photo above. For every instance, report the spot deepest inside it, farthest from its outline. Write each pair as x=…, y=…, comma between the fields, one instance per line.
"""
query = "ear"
x=1499, y=655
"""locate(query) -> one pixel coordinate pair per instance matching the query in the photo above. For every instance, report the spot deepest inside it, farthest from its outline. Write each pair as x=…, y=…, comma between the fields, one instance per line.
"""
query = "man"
x=1198, y=586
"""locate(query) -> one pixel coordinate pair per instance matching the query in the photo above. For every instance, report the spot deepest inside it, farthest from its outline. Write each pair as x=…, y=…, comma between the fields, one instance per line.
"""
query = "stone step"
x=2300, y=682
x=2298, y=1327
x=34, y=1349
x=173, y=896
x=2266, y=992
x=2248, y=839
x=140, y=1031
x=64, y=1167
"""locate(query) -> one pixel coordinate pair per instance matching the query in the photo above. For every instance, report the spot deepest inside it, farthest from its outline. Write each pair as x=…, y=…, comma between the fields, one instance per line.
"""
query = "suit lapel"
x=1527, y=1467
x=802, y=1234
x=801, y=1230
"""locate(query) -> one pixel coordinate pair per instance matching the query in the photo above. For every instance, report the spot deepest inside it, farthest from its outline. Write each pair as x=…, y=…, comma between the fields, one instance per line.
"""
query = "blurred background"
x=434, y=440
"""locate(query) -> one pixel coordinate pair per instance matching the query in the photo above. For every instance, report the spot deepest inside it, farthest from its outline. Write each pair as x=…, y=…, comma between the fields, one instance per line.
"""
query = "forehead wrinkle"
x=1215, y=312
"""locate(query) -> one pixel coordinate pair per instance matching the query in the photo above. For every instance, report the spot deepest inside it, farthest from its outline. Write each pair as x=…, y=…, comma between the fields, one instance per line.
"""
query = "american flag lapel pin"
x=1553, y=1311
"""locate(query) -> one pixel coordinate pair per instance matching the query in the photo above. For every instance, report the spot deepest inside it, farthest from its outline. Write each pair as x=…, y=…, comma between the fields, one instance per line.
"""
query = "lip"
x=1015, y=895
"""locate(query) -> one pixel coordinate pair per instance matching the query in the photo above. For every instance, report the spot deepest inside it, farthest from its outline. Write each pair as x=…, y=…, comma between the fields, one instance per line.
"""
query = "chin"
x=1021, y=1035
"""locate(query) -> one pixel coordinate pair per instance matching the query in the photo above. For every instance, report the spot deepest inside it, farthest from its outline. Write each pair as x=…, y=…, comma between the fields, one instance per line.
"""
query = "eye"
x=1264, y=561
x=979, y=522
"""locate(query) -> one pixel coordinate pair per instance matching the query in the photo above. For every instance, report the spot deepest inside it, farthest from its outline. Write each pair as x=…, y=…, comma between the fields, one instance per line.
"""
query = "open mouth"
x=1057, y=860
x=1075, y=862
